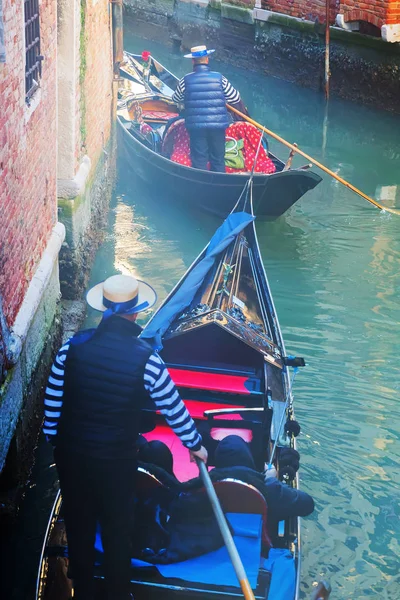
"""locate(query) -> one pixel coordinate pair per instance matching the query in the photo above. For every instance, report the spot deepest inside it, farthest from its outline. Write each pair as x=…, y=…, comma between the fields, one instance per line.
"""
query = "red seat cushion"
x=217, y=382
x=183, y=468
x=240, y=497
x=158, y=115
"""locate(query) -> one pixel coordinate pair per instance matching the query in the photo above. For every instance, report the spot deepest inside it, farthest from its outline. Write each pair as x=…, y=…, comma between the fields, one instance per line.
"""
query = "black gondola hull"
x=223, y=346
x=216, y=193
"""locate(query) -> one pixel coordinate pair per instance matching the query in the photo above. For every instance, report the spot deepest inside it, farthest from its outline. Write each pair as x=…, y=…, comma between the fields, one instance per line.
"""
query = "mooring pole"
x=117, y=33
x=327, y=42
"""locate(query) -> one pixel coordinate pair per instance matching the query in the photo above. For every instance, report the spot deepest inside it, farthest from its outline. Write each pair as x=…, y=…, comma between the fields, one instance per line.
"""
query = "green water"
x=333, y=266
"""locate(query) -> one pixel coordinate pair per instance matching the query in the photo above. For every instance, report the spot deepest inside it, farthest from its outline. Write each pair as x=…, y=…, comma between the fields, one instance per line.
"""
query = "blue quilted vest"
x=205, y=104
x=104, y=395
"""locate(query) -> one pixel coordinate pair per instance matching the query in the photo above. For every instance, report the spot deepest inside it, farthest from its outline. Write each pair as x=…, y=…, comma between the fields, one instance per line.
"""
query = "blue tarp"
x=231, y=227
x=215, y=568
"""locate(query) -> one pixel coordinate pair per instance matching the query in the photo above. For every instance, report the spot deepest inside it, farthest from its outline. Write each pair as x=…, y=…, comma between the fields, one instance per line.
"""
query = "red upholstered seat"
x=216, y=382
x=183, y=468
x=158, y=115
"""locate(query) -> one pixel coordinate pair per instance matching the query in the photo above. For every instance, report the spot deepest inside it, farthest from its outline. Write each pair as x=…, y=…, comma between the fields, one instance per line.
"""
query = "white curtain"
x=2, y=48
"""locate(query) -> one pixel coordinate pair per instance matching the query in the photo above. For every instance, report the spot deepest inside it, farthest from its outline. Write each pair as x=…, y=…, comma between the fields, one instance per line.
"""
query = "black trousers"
x=97, y=491
x=208, y=145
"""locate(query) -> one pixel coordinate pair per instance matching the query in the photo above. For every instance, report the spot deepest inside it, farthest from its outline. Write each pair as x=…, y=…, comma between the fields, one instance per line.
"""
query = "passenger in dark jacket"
x=191, y=525
x=204, y=94
x=233, y=459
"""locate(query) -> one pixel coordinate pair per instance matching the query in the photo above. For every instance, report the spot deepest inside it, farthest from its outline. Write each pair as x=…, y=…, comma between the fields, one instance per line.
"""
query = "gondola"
x=219, y=334
x=145, y=96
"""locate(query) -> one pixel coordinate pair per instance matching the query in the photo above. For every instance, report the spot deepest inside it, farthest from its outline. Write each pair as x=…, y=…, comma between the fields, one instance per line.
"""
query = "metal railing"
x=33, y=58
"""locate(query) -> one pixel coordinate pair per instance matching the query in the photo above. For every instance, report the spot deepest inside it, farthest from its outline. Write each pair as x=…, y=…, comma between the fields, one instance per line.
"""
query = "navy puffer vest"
x=205, y=104
x=104, y=391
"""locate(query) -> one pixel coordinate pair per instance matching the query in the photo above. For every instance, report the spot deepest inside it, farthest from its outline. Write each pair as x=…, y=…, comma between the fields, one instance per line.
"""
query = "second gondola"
x=146, y=116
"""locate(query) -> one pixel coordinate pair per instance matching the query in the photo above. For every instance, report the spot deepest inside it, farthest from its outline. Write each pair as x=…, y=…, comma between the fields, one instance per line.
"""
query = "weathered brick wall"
x=95, y=79
x=304, y=9
x=373, y=11
x=376, y=12
x=393, y=12
x=27, y=155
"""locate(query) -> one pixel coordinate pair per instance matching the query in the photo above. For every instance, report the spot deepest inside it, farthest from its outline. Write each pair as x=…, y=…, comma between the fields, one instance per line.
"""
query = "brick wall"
x=27, y=155
x=393, y=12
x=304, y=9
x=373, y=11
x=95, y=76
x=376, y=12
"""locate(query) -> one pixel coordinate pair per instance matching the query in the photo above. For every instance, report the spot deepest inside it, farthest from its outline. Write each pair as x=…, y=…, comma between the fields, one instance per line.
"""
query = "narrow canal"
x=333, y=266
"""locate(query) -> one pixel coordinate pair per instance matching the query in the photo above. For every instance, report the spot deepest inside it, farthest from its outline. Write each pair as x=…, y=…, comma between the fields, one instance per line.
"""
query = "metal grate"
x=33, y=58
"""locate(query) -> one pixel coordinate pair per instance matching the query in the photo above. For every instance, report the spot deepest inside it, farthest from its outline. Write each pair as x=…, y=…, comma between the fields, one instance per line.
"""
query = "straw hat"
x=198, y=51
x=121, y=294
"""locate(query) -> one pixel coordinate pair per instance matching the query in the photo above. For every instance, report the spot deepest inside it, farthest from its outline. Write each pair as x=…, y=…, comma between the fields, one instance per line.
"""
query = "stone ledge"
x=391, y=33
x=68, y=189
x=34, y=294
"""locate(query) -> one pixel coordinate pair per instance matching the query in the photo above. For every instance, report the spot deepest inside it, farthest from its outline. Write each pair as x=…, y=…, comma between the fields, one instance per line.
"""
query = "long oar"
x=311, y=159
x=225, y=532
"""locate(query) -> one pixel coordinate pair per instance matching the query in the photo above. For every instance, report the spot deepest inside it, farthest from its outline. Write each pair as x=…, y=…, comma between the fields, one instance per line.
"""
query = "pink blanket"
x=176, y=146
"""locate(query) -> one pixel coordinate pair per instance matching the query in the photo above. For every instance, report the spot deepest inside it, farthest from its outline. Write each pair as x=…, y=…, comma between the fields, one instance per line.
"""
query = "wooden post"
x=117, y=30
x=327, y=42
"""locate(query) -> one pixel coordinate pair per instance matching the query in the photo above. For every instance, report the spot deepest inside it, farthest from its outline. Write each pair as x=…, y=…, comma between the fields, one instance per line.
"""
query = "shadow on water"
x=145, y=237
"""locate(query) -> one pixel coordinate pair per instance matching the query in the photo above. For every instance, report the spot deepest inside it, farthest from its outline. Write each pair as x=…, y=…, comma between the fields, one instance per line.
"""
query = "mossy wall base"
x=84, y=218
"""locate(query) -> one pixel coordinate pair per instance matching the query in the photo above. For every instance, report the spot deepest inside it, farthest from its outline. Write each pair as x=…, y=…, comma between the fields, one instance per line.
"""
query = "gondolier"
x=101, y=383
x=204, y=94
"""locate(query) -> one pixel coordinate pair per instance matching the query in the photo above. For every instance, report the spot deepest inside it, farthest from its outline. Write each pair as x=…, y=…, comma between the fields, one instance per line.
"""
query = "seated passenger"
x=156, y=457
x=191, y=528
x=233, y=459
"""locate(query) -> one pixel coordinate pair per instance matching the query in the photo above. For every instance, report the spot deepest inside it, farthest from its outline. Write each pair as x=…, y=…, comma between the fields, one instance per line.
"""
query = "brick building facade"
x=56, y=101
x=27, y=134
x=354, y=15
x=303, y=9
x=30, y=236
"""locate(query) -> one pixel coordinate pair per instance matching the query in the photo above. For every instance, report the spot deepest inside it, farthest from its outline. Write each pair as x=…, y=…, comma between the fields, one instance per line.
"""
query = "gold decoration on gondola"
x=228, y=271
x=137, y=112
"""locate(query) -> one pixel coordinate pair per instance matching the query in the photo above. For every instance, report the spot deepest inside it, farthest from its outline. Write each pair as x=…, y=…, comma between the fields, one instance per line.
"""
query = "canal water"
x=333, y=266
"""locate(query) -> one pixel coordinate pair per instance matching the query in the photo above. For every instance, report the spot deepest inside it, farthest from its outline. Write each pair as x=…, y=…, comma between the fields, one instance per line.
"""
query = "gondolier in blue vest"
x=100, y=385
x=204, y=94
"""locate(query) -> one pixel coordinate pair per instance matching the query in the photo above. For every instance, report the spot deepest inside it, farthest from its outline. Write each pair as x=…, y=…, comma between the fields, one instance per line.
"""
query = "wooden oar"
x=225, y=532
x=315, y=162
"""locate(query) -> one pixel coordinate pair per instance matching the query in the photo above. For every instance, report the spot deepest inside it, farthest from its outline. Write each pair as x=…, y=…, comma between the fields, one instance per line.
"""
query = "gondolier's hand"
x=202, y=454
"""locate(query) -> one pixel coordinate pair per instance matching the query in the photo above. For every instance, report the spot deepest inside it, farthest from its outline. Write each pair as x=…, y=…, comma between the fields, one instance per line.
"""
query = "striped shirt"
x=157, y=382
x=231, y=95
